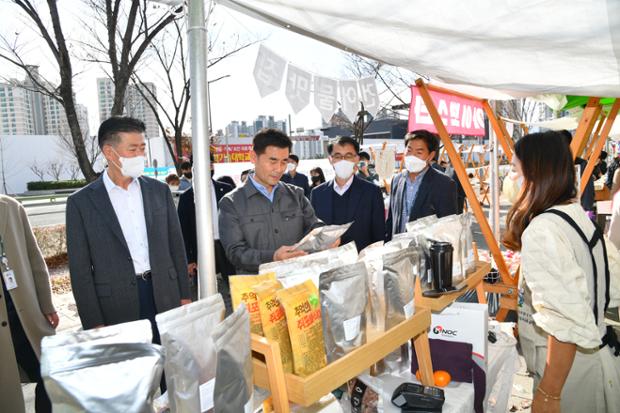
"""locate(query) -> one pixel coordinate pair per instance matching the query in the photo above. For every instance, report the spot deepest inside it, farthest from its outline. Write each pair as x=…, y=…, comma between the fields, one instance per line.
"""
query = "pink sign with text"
x=459, y=115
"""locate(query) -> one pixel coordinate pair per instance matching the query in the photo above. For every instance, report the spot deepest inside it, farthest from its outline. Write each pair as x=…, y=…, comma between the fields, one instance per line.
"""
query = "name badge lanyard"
x=7, y=273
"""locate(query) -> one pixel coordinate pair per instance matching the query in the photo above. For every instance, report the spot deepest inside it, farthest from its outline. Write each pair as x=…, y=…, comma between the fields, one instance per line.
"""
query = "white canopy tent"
x=528, y=46
x=493, y=50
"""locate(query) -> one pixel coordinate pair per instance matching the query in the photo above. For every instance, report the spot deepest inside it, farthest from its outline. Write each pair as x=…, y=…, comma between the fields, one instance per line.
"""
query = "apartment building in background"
x=136, y=103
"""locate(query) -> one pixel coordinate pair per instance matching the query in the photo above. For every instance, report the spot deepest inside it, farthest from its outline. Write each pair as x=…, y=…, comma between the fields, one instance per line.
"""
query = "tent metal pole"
x=197, y=41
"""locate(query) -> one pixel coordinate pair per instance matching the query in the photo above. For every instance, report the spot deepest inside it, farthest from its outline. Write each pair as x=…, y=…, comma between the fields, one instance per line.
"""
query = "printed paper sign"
x=349, y=98
x=326, y=96
x=298, y=87
x=268, y=71
x=369, y=94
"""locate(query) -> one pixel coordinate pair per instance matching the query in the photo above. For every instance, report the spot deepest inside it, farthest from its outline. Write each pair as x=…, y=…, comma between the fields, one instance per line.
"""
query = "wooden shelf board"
x=308, y=390
x=438, y=304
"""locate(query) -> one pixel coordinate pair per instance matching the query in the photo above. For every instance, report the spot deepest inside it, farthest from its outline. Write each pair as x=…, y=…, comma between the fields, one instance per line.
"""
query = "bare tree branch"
x=56, y=42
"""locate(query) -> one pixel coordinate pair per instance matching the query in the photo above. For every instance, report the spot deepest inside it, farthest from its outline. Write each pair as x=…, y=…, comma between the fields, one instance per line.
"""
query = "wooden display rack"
x=472, y=281
x=305, y=391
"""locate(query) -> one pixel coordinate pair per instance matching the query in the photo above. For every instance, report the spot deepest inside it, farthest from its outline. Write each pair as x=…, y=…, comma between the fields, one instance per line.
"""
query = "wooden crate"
x=307, y=390
x=472, y=281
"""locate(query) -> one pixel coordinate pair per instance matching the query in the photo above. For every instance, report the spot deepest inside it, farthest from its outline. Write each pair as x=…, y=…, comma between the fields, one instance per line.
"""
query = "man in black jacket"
x=420, y=190
x=349, y=198
x=187, y=218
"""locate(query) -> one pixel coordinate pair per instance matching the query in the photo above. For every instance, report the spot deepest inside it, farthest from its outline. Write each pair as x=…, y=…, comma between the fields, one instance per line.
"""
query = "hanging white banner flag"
x=326, y=96
x=268, y=71
x=298, y=87
x=349, y=98
x=369, y=94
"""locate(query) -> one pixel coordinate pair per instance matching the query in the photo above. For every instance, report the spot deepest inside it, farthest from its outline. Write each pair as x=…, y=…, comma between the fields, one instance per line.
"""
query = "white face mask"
x=414, y=164
x=290, y=167
x=132, y=167
x=344, y=169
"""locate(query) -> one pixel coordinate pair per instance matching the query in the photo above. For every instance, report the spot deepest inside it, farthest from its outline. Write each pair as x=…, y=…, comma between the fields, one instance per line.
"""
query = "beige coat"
x=32, y=298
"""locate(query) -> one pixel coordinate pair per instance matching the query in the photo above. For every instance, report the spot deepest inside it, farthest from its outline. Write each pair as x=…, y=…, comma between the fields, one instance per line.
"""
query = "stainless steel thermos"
x=441, y=265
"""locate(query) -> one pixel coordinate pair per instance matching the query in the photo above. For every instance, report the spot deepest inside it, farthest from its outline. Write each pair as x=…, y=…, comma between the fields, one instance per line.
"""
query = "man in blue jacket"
x=420, y=190
x=348, y=198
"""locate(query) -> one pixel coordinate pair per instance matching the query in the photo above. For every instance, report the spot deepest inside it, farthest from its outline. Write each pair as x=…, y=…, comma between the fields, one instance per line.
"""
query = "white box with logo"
x=465, y=323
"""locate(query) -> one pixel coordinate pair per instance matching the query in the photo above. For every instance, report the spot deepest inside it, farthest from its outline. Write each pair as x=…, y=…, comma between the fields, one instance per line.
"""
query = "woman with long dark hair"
x=569, y=278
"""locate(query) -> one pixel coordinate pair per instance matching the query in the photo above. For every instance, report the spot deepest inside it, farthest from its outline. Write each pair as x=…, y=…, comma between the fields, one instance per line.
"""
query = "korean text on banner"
x=236, y=153
x=350, y=98
x=325, y=96
x=460, y=116
x=268, y=71
x=370, y=96
x=298, y=87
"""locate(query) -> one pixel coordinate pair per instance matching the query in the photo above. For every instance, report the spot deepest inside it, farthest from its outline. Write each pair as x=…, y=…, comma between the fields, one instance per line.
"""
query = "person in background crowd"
x=295, y=178
x=611, y=170
x=317, y=176
x=173, y=182
x=460, y=192
x=245, y=174
x=126, y=256
x=420, y=190
x=587, y=197
x=186, y=176
x=364, y=171
x=227, y=180
x=569, y=278
x=187, y=218
x=349, y=198
x=264, y=217
x=614, y=225
x=615, y=183
x=27, y=313
x=438, y=166
x=601, y=166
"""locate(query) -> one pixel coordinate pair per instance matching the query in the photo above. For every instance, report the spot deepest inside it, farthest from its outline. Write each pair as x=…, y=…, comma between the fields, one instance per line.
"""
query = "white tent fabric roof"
x=515, y=46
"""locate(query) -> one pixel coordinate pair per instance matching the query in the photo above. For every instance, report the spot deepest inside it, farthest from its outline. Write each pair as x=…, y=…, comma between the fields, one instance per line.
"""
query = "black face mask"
x=188, y=175
x=315, y=179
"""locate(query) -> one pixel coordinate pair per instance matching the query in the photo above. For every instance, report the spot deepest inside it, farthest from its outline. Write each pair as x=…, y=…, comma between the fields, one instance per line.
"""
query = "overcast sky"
x=233, y=98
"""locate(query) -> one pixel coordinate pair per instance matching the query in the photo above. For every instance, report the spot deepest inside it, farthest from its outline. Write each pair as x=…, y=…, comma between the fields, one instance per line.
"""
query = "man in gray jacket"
x=261, y=220
x=126, y=253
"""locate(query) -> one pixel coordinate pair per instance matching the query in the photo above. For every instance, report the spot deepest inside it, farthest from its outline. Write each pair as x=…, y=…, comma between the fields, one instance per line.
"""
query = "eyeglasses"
x=348, y=157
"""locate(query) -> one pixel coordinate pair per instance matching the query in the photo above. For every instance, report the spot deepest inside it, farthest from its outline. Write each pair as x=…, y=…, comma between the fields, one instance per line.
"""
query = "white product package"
x=455, y=229
x=309, y=267
x=465, y=323
x=187, y=331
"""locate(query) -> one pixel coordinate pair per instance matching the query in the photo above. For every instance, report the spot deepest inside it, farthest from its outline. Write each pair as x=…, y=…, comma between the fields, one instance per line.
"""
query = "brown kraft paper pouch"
x=274, y=320
x=233, y=377
x=241, y=291
x=303, y=314
x=344, y=297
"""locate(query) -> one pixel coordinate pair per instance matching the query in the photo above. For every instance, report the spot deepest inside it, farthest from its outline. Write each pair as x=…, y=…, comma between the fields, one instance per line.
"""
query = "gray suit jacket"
x=102, y=272
x=252, y=228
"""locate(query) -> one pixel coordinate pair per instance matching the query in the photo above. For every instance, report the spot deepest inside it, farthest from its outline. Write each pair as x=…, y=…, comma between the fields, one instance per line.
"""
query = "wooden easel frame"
x=508, y=281
x=592, y=112
x=598, y=142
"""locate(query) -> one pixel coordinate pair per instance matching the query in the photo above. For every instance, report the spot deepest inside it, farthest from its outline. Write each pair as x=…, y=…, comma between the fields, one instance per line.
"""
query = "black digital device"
x=411, y=397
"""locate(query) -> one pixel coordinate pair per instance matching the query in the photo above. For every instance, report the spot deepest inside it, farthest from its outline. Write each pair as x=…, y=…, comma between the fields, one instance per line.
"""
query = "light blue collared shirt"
x=263, y=190
x=411, y=192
